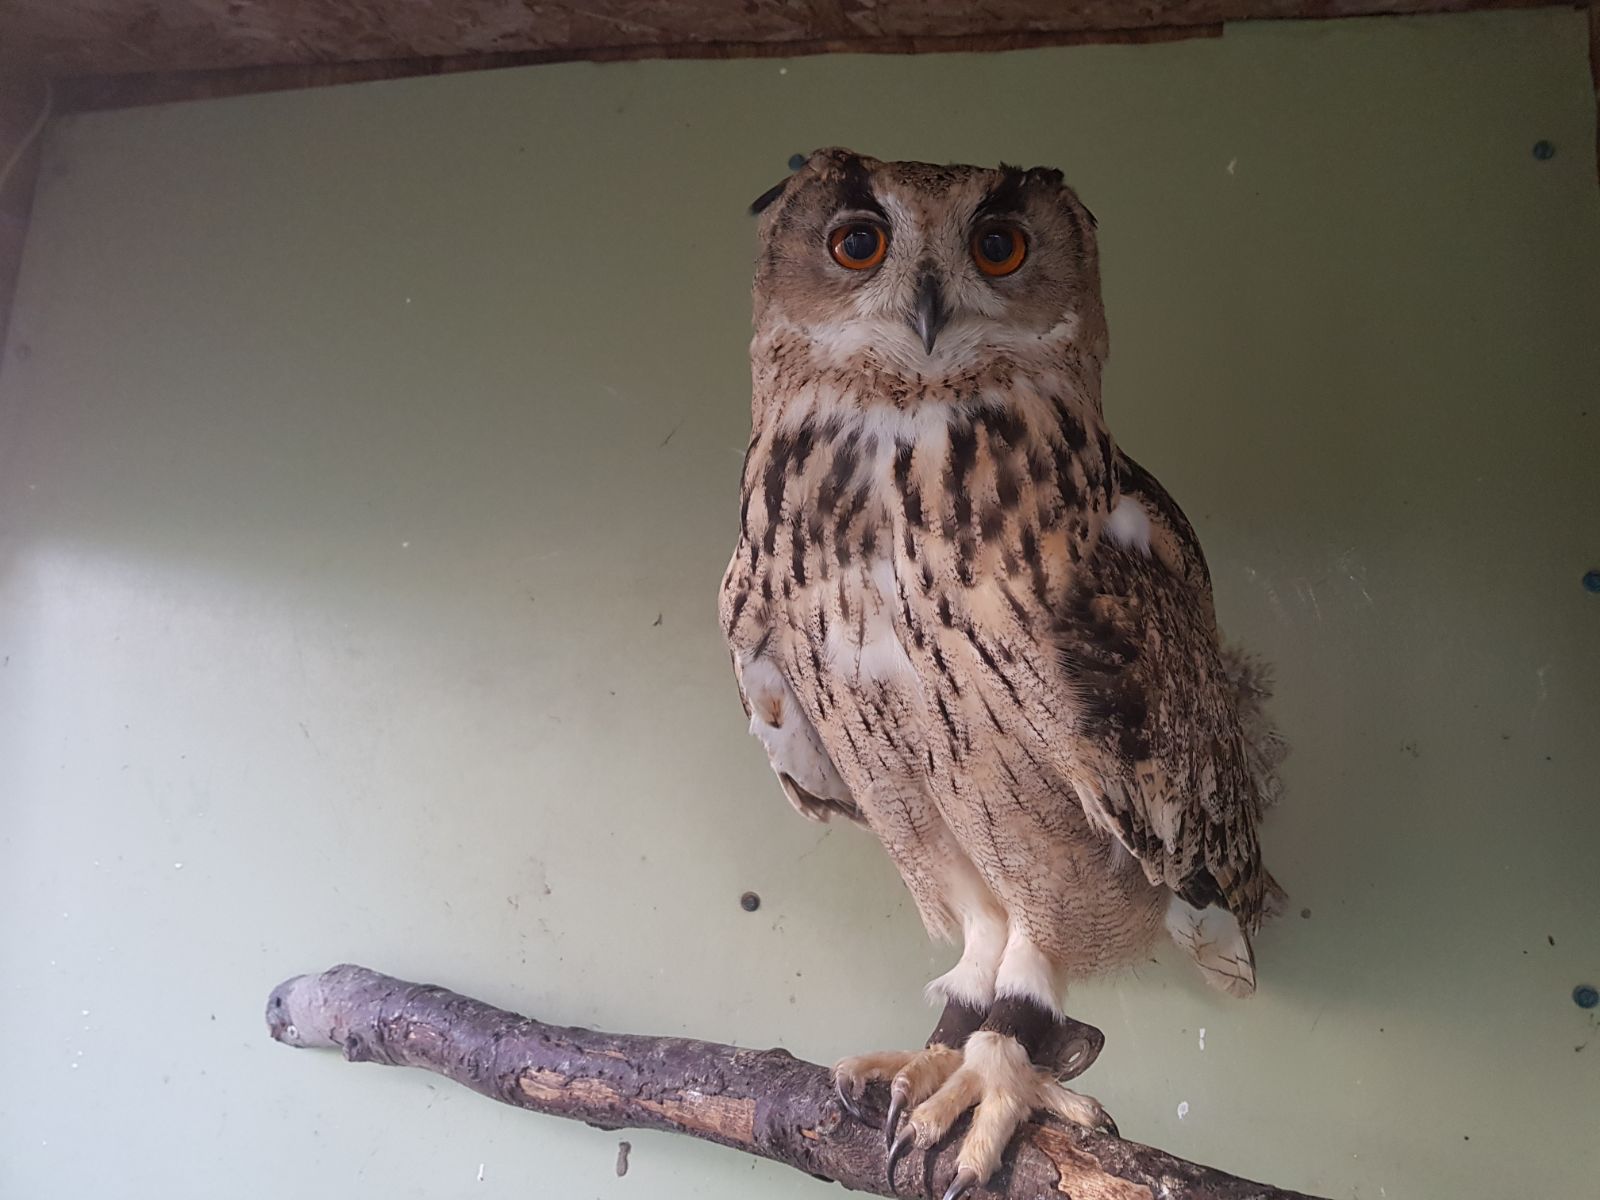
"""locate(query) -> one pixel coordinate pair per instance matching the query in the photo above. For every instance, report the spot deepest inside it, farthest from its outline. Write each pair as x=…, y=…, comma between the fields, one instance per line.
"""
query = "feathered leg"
x=997, y=1078
x=967, y=990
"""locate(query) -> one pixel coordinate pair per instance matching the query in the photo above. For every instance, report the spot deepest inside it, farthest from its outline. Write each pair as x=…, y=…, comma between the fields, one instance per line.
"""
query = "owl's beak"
x=930, y=314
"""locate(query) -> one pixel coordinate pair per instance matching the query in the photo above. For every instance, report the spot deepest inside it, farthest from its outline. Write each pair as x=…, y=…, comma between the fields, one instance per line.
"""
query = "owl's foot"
x=996, y=1080
x=912, y=1075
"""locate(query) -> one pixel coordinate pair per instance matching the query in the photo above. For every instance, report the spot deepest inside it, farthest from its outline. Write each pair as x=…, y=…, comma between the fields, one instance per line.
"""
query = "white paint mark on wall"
x=1202, y=1037
x=1350, y=563
x=1544, y=690
x=1307, y=595
x=1183, y=1109
x=480, y=1172
x=1272, y=594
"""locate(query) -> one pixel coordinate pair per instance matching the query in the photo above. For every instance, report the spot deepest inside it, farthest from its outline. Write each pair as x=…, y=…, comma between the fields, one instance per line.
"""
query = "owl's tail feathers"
x=1220, y=947
x=1213, y=936
x=1250, y=679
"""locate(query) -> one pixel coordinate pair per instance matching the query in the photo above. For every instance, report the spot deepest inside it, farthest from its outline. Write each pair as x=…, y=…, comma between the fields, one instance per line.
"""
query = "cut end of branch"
x=302, y=1013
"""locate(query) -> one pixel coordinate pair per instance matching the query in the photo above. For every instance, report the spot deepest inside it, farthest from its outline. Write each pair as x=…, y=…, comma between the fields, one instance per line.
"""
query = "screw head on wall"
x=1585, y=996
x=749, y=902
x=1543, y=150
x=1591, y=580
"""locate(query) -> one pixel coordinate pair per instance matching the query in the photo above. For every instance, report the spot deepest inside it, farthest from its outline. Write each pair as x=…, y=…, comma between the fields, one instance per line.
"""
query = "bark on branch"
x=764, y=1102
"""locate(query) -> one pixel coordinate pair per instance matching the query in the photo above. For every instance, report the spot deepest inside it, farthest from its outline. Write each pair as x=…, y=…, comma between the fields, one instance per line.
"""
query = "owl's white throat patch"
x=892, y=344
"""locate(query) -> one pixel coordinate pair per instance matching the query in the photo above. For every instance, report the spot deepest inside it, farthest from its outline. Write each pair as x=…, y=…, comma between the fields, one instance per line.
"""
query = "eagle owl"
x=961, y=616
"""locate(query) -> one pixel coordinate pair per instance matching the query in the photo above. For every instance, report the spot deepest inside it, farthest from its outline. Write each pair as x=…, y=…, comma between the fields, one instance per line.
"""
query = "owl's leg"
x=912, y=1075
x=967, y=990
x=997, y=1078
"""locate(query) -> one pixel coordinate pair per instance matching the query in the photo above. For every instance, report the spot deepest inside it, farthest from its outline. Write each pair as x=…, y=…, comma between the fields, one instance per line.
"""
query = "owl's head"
x=929, y=269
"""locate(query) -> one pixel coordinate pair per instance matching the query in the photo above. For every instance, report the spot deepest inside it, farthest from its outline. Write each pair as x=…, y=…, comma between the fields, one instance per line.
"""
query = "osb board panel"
x=112, y=36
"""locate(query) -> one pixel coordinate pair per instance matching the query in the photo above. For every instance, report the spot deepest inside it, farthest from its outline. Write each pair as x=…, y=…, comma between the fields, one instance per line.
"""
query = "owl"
x=962, y=617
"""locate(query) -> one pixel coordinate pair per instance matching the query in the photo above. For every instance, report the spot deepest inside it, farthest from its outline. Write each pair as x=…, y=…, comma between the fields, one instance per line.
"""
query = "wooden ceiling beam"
x=116, y=37
x=93, y=92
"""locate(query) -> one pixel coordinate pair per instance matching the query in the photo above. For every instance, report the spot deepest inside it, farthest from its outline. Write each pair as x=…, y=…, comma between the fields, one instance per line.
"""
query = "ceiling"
x=115, y=37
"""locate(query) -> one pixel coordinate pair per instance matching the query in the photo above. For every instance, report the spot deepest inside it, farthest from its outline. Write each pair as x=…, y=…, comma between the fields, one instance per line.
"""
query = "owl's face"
x=928, y=269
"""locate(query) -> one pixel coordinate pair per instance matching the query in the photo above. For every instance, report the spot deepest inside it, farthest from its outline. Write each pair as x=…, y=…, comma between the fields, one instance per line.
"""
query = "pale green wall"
x=354, y=441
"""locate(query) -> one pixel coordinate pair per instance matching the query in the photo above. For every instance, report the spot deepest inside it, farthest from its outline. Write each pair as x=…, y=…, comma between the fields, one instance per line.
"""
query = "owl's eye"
x=859, y=246
x=999, y=249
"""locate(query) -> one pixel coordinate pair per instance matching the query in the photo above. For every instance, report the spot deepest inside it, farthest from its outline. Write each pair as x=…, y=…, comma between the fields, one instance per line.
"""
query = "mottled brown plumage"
x=961, y=615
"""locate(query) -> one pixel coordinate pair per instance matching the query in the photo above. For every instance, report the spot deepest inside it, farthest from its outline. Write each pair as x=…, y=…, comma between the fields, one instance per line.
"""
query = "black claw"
x=900, y=1146
x=850, y=1105
x=966, y=1179
x=897, y=1106
x=1107, y=1125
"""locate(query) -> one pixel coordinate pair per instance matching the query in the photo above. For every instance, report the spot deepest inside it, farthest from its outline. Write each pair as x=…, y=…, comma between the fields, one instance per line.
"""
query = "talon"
x=847, y=1102
x=1107, y=1125
x=900, y=1146
x=898, y=1095
x=966, y=1179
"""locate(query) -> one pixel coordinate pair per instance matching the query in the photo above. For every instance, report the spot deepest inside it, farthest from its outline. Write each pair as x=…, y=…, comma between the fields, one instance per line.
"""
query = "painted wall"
x=369, y=465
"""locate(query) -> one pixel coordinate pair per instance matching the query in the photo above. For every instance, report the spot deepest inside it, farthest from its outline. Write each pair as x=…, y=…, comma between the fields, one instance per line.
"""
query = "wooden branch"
x=764, y=1102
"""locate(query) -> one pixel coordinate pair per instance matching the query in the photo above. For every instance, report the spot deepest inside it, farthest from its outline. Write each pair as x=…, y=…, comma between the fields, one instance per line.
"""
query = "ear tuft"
x=765, y=201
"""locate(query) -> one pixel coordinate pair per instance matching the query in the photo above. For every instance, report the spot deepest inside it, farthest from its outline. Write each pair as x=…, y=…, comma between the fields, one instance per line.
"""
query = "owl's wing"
x=799, y=760
x=1178, y=760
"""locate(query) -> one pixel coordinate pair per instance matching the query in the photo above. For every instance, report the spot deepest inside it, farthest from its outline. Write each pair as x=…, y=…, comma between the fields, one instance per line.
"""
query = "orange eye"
x=999, y=249
x=859, y=246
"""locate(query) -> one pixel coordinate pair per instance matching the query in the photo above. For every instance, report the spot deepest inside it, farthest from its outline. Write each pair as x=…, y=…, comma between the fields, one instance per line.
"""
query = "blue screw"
x=1591, y=580
x=1585, y=996
x=1543, y=150
x=796, y=161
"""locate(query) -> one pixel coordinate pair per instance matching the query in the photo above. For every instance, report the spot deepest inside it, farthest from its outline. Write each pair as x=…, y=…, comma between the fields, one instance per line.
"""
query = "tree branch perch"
x=764, y=1102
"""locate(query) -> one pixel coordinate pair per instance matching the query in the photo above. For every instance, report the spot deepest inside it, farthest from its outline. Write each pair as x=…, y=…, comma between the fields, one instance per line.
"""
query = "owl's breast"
x=812, y=587
x=904, y=563
x=868, y=650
